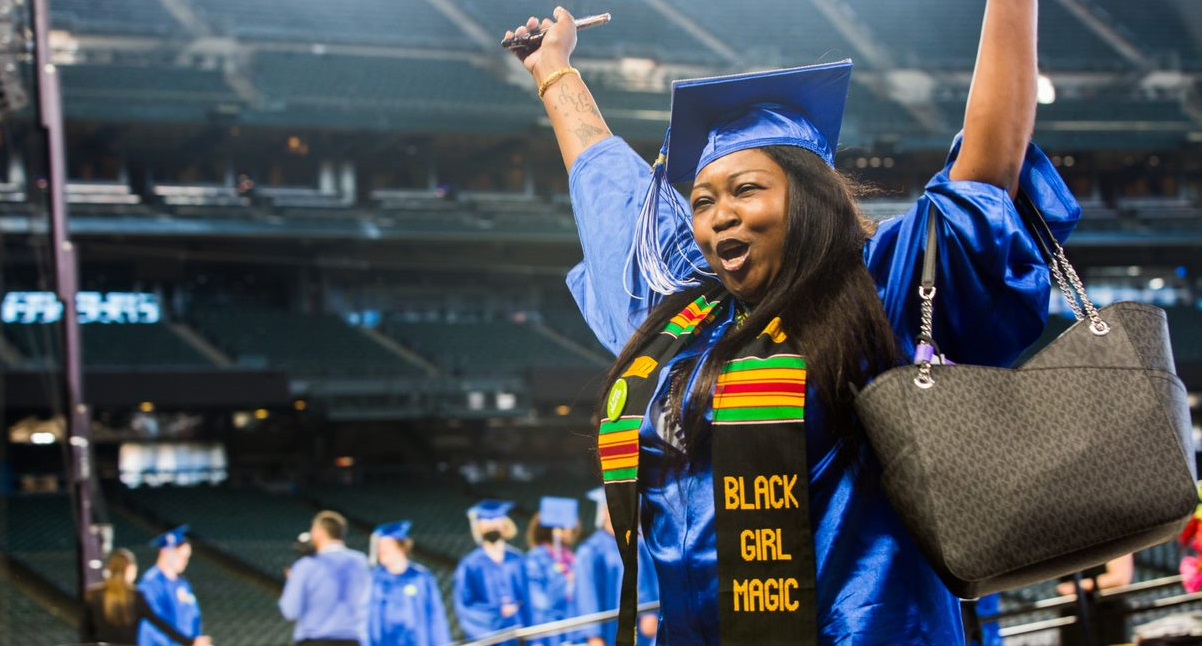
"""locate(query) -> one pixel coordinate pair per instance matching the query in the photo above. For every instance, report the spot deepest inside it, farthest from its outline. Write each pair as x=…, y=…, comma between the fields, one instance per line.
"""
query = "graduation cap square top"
x=596, y=495
x=172, y=538
x=714, y=117
x=397, y=531
x=558, y=512
x=490, y=510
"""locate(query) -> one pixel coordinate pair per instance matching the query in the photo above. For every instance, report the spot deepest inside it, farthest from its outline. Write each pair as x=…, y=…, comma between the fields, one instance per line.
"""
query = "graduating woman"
x=405, y=607
x=746, y=316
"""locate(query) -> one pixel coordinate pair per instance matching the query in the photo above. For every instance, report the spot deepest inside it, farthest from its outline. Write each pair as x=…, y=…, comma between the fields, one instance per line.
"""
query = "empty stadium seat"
x=304, y=345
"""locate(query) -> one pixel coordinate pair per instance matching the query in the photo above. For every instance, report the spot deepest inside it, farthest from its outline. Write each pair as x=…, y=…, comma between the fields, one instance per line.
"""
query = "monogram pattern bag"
x=1008, y=477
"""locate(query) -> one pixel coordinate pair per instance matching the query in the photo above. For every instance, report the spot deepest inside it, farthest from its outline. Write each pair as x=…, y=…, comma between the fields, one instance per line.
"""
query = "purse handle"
x=1062, y=270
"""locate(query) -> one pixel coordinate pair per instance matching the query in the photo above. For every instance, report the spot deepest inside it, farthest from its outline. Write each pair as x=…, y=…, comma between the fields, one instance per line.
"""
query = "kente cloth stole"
x=767, y=588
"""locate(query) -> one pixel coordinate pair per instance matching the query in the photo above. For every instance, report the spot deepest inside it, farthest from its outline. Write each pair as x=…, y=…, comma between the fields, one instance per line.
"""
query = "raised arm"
x=1000, y=117
x=574, y=115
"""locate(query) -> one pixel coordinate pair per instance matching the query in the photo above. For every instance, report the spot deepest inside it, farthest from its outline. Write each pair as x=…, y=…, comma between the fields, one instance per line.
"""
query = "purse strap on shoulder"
x=1070, y=284
x=925, y=350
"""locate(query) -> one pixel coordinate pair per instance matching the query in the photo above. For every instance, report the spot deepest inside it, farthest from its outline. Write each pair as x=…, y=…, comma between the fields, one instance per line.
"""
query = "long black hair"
x=824, y=295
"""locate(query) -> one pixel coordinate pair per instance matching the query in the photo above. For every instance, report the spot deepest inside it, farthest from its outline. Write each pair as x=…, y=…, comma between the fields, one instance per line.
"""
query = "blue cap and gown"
x=550, y=576
x=405, y=609
x=172, y=600
x=599, y=578
x=873, y=584
x=483, y=586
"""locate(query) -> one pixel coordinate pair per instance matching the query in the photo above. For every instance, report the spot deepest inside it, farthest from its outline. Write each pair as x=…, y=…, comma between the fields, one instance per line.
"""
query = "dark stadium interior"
x=357, y=230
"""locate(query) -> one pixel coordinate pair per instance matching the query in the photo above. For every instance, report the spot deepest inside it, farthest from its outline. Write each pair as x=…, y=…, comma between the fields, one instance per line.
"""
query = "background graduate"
x=490, y=582
x=551, y=564
x=599, y=581
x=406, y=606
x=168, y=593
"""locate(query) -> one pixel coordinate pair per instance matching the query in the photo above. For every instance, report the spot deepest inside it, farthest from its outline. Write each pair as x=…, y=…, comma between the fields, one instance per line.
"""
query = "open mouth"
x=733, y=254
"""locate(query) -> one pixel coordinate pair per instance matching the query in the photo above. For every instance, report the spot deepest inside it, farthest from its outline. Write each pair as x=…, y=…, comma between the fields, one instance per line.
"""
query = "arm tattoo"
x=580, y=102
x=587, y=133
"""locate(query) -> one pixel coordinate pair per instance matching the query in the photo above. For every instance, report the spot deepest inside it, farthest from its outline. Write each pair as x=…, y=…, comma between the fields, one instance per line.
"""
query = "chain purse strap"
x=1062, y=270
x=1066, y=277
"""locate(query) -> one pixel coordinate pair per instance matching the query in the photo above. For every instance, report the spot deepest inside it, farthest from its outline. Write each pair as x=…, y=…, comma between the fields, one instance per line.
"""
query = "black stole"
x=767, y=589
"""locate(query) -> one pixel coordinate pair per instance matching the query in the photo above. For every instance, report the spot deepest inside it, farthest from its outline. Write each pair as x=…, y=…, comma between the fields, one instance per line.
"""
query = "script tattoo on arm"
x=580, y=103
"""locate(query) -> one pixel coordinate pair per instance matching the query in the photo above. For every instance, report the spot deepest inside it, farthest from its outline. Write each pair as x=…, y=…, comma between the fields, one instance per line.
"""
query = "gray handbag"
x=1008, y=477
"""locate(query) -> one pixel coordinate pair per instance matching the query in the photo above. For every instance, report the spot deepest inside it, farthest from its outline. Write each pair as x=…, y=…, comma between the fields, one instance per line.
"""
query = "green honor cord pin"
x=617, y=400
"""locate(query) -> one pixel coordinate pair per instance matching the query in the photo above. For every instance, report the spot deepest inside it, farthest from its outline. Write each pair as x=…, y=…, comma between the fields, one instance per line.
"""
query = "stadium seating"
x=108, y=346
x=144, y=83
x=786, y=33
x=118, y=17
x=1067, y=44
x=375, y=22
x=22, y=617
x=638, y=30
x=394, y=83
x=304, y=345
x=1156, y=28
x=483, y=349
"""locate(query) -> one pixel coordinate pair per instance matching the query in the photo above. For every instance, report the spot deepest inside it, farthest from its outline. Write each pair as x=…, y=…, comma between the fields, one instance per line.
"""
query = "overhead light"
x=146, y=407
x=1045, y=91
x=41, y=437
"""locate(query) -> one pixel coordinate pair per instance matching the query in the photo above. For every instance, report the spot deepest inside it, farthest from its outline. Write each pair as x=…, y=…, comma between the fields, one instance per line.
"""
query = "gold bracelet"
x=553, y=77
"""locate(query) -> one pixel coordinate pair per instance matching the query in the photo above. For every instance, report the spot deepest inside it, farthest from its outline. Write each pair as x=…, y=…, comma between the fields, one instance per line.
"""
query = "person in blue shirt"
x=166, y=590
x=550, y=564
x=490, y=582
x=768, y=269
x=405, y=608
x=326, y=593
x=599, y=581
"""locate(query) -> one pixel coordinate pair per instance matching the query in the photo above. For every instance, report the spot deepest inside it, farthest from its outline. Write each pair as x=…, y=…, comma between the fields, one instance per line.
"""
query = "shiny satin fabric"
x=483, y=586
x=550, y=589
x=406, y=609
x=598, y=584
x=874, y=586
x=174, y=601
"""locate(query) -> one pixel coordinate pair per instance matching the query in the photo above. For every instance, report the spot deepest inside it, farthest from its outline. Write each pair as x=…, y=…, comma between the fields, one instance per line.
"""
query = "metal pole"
x=66, y=276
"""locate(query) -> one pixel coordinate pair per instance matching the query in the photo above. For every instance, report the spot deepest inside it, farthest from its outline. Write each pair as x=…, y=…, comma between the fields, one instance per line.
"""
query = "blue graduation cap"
x=596, y=495
x=398, y=531
x=558, y=512
x=172, y=538
x=714, y=117
x=490, y=509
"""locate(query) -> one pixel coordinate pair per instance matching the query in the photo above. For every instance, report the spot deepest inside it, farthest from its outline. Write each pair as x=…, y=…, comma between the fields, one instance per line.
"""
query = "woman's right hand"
x=555, y=50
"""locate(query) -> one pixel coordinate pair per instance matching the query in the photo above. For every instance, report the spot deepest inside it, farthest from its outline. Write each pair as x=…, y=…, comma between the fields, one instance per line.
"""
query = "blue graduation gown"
x=483, y=585
x=874, y=585
x=550, y=591
x=406, y=609
x=599, y=584
x=174, y=601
